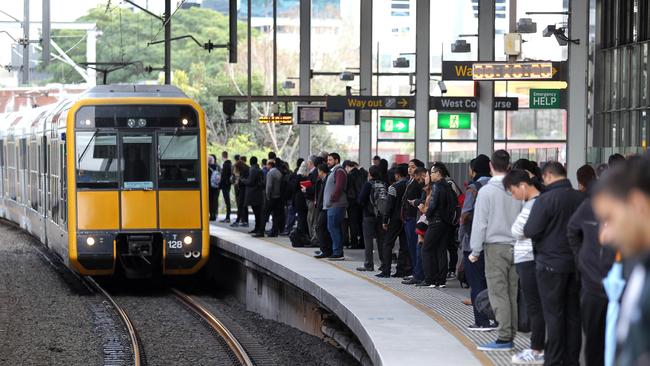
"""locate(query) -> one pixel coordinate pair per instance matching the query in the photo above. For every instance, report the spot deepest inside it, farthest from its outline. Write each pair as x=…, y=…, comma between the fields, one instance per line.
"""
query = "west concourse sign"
x=470, y=104
x=370, y=102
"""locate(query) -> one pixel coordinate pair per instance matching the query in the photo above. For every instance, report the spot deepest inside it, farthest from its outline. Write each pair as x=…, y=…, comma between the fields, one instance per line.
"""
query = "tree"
x=201, y=75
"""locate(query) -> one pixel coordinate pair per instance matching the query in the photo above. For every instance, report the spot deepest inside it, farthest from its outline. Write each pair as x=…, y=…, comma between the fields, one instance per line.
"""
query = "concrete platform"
x=393, y=329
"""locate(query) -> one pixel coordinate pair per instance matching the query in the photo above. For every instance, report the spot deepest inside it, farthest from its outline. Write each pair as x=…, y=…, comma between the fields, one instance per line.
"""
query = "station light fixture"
x=526, y=25
x=346, y=76
x=461, y=46
x=401, y=63
x=288, y=84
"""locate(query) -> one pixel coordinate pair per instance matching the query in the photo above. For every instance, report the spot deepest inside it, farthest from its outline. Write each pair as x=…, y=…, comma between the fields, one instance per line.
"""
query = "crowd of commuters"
x=525, y=236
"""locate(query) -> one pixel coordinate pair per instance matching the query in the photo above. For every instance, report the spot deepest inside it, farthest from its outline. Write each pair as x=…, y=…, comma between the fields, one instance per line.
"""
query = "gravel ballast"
x=285, y=345
x=44, y=319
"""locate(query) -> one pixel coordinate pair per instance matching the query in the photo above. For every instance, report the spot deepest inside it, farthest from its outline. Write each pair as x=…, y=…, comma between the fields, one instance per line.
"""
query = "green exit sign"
x=454, y=121
x=394, y=124
x=544, y=99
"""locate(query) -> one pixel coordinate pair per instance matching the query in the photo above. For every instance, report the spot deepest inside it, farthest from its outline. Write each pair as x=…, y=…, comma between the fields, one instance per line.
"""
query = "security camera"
x=461, y=46
x=442, y=86
x=549, y=30
x=402, y=63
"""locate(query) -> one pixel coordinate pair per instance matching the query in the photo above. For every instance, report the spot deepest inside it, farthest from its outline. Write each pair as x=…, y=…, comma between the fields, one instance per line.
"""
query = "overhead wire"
x=168, y=20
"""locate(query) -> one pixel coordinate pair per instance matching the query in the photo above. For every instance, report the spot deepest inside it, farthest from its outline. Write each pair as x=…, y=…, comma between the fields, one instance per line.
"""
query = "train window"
x=96, y=160
x=137, y=161
x=179, y=160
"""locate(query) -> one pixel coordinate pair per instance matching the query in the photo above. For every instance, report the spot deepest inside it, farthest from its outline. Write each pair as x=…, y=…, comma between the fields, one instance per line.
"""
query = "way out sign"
x=394, y=124
x=544, y=99
x=454, y=121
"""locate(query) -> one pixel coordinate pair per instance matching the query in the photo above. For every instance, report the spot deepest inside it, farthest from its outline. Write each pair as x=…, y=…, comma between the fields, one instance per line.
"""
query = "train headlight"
x=142, y=122
x=90, y=241
x=131, y=122
x=187, y=240
x=184, y=121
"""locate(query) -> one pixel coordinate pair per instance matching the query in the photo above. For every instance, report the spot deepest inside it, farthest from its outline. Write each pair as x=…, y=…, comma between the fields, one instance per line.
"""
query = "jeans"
x=412, y=241
x=528, y=280
x=561, y=304
x=334, y=222
x=434, y=253
x=594, y=312
x=371, y=230
x=475, y=273
x=291, y=218
x=226, y=199
x=259, y=221
x=502, y=281
x=395, y=230
x=355, y=225
x=323, y=235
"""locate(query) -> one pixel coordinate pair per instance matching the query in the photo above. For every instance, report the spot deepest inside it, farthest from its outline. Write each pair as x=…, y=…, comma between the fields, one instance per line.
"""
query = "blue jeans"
x=475, y=273
x=414, y=250
x=335, y=228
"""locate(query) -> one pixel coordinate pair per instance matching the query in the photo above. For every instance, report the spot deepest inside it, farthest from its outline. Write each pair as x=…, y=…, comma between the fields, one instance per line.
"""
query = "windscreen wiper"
x=87, y=146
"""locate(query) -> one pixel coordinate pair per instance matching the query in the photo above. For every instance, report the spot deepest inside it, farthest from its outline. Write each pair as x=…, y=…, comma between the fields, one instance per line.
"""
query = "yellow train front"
x=123, y=178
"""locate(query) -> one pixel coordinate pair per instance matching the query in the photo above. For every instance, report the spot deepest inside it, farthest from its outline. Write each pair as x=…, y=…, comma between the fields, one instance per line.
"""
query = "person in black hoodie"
x=394, y=228
x=372, y=229
x=225, y=183
x=434, y=248
x=410, y=215
x=593, y=261
x=254, y=194
x=324, y=238
x=556, y=273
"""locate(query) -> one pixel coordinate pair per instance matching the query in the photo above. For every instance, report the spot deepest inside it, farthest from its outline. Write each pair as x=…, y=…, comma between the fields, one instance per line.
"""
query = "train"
x=113, y=181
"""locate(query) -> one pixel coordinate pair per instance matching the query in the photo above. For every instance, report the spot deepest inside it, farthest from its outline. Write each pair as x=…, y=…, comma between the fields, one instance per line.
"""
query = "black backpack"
x=379, y=198
x=470, y=214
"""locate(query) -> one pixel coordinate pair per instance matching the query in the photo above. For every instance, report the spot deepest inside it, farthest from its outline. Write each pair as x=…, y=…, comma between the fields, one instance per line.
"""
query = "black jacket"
x=593, y=259
x=310, y=193
x=226, y=174
x=413, y=192
x=547, y=226
x=438, y=202
x=254, y=183
x=320, y=190
x=355, y=182
x=395, y=195
x=297, y=197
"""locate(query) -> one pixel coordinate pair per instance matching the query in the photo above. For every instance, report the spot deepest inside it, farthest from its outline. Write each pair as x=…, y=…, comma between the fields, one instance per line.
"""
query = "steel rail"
x=133, y=335
x=217, y=325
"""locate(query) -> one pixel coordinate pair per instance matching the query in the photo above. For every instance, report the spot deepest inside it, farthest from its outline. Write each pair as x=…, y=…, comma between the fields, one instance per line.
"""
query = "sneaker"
x=339, y=257
x=225, y=221
x=451, y=275
x=408, y=278
x=234, y=224
x=480, y=328
x=244, y=224
x=496, y=346
x=364, y=269
x=528, y=357
x=321, y=256
x=442, y=285
x=425, y=284
x=411, y=281
x=317, y=252
x=383, y=275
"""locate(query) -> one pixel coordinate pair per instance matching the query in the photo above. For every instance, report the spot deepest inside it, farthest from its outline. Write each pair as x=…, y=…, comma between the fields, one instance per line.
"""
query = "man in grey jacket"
x=335, y=201
x=494, y=213
x=274, y=204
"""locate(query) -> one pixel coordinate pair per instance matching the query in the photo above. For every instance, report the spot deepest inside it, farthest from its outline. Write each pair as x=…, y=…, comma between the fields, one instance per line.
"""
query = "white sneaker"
x=528, y=357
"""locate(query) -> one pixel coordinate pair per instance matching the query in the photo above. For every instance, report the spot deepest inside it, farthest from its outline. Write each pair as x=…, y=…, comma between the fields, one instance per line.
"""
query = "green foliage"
x=124, y=37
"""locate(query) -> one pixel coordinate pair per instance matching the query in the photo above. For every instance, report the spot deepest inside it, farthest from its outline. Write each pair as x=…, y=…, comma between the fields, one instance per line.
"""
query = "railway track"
x=139, y=358
x=208, y=318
